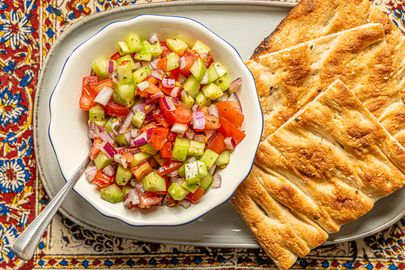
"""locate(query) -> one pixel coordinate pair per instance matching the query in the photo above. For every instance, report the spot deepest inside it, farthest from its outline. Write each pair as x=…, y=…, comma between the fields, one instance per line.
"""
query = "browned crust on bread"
x=325, y=167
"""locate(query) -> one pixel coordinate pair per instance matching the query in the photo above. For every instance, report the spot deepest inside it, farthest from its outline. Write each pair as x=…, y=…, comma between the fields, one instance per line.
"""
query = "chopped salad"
x=163, y=118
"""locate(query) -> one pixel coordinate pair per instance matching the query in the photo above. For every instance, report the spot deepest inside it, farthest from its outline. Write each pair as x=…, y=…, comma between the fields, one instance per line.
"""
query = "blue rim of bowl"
x=164, y=16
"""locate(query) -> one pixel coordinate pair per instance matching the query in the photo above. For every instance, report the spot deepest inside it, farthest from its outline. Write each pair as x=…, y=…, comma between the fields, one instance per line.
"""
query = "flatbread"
x=324, y=167
x=312, y=19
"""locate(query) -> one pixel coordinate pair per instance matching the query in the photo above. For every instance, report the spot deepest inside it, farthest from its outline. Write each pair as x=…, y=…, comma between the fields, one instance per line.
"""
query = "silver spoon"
x=25, y=244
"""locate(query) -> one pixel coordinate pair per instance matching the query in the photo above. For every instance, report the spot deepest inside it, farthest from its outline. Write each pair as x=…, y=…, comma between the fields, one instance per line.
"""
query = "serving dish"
x=68, y=130
x=221, y=227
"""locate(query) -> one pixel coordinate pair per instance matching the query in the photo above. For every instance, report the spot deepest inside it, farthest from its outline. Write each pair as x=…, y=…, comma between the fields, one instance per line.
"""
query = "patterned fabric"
x=27, y=30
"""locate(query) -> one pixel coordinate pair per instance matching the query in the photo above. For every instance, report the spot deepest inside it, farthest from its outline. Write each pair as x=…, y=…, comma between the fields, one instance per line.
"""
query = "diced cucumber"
x=196, y=149
x=141, y=170
x=212, y=74
x=206, y=181
x=142, y=73
x=121, y=140
x=139, y=117
x=124, y=94
x=143, y=56
x=102, y=161
x=180, y=149
x=221, y=71
x=201, y=48
x=198, y=69
x=123, y=176
x=122, y=48
x=190, y=187
x=134, y=43
x=112, y=194
x=224, y=82
x=154, y=182
x=202, y=169
x=172, y=61
x=209, y=157
x=187, y=99
x=223, y=159
x=124, y=72
x=202, y=100
x=156, y=50
x=212, y=91
x=96, y=113
x=109, y=124
x=147, y=148
x=182, y=170
x=176, y=45
x=127, y=58
x=139, y=158
x=191, y=172
x=159, y=159
x=192, y=86
x=99, y=66
x=177, y=192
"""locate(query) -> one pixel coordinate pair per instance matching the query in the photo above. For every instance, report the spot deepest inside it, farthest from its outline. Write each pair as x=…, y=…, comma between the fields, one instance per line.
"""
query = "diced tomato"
x=87, y=98
x=196, y=196
x=158, y=137
x=217, y=144
x=167, y=91
x=211, y=122
x=172, y=137
x=115, y=56
x=104, y=83
x=168, y=167
x=89, y=80
x=115, y=109
x=166, y=151
x=147, y=202
x=174, y=74
x=209, y=61
x=230, y=111
x=95, y=148
x=102, y=180
x=152, y=89
x=182, y=114
x=229, y=130
x=189, y=60
x=160, y=120
x=152, y=80
x=162, y=63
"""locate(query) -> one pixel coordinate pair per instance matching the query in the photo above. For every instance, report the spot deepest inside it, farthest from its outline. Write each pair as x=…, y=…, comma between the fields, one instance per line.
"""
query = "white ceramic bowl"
x=68, y=125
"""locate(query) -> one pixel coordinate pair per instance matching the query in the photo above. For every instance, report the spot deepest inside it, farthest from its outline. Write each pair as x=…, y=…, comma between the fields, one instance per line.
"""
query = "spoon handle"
x=25, y=244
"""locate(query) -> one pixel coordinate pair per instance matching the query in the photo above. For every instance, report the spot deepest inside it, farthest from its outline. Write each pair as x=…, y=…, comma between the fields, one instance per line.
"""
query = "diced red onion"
x=105, y=137
x=153, y=38
x=149, y=133
x=190, y=134
x=234, y=97
x=198, y=120
x=224, y=97
x=183, y=62
x=104, y=96
x=134, y=132
x=120, y=159
x=175, y=92
x=133, y=196
x=149, y=118
x=138, y=186
x=179, y=128
x=143, y=85
x=110, y=66
x=194, y=108
x=109, y=170
x=213, y=110
x=157, y=95
x=168, y=83
x=90, y=172
x=200, y=138
x=212, y=169
x=140, y=140
x=235, y=85
x=216, y=183
x=181, y=78
x=114, y=126
x=230, y=143
x=168, y=104
x=138, y=107
x=125, y=125
x=173, y=173
x=177, y=180
x=155, y=74
x=154, y=63
x=209, y=133
x=185, y=204
x=108, y=150
x=93, y=130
